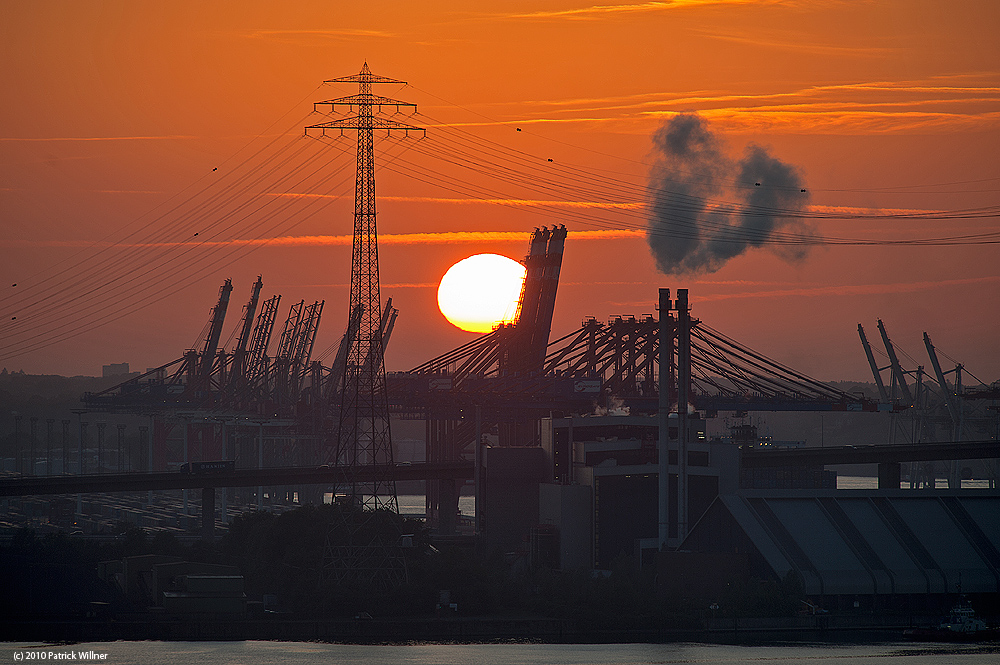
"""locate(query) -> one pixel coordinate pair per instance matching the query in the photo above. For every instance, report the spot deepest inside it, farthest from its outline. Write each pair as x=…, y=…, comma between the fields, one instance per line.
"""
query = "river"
x=309, y=653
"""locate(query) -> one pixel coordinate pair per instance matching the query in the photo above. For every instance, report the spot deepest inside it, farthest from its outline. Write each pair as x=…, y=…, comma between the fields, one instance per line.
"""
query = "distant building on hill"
x=114, y=369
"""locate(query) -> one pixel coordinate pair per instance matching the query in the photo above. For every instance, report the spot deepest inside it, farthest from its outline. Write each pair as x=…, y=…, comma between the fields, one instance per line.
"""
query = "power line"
x=202, y=228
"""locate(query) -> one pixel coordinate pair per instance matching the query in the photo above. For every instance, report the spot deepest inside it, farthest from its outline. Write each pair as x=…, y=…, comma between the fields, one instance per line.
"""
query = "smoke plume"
x=708, y=208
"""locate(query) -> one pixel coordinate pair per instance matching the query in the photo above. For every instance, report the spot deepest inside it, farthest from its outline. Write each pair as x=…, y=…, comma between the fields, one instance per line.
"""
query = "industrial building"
x=597, y=501
x=614, y=460
x=860, y=542
x=175, y=586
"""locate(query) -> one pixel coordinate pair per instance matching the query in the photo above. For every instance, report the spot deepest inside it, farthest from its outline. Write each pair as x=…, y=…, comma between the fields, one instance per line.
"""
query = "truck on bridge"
x=208, y=467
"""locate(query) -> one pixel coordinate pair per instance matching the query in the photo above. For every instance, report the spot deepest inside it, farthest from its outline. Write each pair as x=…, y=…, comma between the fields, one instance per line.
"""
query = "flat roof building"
x=860, y=542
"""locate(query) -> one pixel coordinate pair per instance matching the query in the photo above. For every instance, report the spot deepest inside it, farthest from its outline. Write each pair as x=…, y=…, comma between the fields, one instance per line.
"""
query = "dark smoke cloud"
x=707, y=207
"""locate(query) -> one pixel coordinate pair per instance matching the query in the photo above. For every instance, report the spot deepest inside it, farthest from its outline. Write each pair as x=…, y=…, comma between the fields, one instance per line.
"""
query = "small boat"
x=961, y=625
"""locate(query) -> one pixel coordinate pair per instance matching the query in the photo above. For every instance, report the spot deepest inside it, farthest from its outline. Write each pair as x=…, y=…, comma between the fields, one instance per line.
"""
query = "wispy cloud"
x=861, y=212
x=851, y=289
x=595, y=12
x=857, y=118
x=742, y=282
x=868, y=212
x=97, y=138
x=849, y=117
x=531, y=203
x=478, y=237
x=849, y=121
x=446, y=238
x=873, y=92
x=799, y=45
x=934, y=104
x=437, y=238
x=331, y=34
x=589, y=284
x=389, y=285
x=825, y=291
x=96, y=191
x=124, y=191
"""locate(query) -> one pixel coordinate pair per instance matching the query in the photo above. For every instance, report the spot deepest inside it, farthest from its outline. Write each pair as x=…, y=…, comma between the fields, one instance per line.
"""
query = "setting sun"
x=480, y=292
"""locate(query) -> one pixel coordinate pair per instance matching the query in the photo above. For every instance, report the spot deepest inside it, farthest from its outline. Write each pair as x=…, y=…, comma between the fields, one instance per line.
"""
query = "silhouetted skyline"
x=120, y=114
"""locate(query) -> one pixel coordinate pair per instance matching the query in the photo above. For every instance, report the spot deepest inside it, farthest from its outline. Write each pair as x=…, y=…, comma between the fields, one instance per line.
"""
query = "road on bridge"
x=871, y=454
x=171, y=480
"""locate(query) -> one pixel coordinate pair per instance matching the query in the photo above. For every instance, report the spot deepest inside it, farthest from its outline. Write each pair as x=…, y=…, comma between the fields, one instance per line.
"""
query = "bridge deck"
x=872, y=454
x=137, y=481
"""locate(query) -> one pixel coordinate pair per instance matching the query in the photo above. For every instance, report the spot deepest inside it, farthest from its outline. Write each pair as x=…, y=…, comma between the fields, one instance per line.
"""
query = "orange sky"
x=115, y=114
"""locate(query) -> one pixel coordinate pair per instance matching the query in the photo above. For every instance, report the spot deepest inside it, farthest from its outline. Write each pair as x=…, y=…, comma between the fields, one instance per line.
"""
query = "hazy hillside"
x=42, y=396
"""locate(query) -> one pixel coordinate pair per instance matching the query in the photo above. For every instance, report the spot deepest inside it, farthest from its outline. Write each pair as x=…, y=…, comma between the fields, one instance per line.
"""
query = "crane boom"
x=897, y=370
x=215, y=330
x=876, y=372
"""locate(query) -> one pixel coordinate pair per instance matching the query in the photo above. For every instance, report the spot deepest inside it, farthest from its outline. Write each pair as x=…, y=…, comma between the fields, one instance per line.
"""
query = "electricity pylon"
x=363, y=435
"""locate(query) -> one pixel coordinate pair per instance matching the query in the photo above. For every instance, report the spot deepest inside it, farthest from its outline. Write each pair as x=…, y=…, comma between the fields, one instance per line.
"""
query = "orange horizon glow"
x=149, y=152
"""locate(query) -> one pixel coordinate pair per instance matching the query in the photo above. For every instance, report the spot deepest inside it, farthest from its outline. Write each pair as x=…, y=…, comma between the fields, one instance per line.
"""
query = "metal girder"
x=899, y=378
x=215, y=329
x=876, y=370
x=369, y=99
x=949, y=394
x=622, y=354
x=362, y=123
x=336, y=375
x=263, y=328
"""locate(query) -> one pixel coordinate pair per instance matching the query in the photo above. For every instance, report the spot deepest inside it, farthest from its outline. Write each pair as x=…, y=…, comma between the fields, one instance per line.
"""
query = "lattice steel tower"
x=363, y=435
